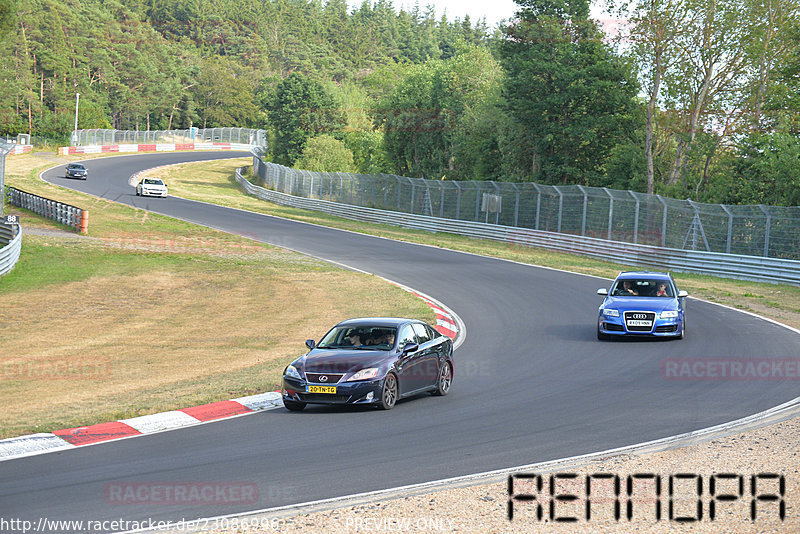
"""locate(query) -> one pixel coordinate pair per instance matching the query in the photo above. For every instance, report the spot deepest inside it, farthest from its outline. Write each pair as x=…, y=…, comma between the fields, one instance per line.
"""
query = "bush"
x=325, y=153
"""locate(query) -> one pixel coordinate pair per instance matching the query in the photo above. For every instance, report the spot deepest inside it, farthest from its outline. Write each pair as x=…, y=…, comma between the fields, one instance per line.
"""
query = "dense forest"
x=689, y=98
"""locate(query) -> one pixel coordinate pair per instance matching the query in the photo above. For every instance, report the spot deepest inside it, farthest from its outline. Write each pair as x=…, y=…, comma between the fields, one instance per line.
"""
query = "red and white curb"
x=150, y=147
x=146, y=424
x=20, y=149
x=446, y=323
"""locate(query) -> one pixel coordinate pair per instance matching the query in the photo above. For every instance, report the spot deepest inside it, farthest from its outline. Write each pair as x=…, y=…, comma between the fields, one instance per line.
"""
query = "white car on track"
x=151, y=187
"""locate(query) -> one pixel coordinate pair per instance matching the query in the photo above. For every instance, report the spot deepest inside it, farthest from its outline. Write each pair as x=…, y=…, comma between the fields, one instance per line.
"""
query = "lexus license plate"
x=322, y=389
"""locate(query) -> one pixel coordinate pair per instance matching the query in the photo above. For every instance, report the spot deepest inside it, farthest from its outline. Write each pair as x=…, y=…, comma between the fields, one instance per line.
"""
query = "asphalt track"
x=531, y=384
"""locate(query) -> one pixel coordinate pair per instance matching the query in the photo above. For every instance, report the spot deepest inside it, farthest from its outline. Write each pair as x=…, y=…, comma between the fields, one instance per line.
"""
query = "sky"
x=493, y=10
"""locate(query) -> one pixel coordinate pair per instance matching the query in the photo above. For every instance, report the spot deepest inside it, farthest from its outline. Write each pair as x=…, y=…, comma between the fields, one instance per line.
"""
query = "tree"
x=300, y=108
x=438, y=120
x=413, y=125
x=154, y=63
x=8, y=9
x=706, y=76
x=224, y=94
x=325, y=153
x=767, y=171
x=771, y=49
x=568, y=89
x=655, y=27
x=711, y=69
x=469, y=86
x=368, y=151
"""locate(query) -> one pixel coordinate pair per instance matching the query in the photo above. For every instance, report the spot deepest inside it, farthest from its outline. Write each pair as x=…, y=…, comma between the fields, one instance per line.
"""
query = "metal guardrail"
x=11, y=243
x=52, y=209
x=668, y=259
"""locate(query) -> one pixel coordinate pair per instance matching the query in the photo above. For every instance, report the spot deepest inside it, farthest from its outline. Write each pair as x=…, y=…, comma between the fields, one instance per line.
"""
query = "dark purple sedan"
x=375, y=360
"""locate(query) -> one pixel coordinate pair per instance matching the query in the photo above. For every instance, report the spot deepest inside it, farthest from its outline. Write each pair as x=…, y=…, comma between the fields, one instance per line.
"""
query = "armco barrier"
x=52, y=209
x=726, y=265
x=11, y=244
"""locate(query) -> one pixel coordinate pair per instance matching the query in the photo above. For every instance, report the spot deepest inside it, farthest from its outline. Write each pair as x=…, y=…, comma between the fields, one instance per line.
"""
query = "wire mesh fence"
x=192, y=135
x=626, y=216
x=5, y=149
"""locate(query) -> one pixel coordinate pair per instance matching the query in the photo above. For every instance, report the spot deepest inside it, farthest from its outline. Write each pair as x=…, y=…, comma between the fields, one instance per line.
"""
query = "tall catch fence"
x=592, y=212
x=192, y=135
x=5, y=149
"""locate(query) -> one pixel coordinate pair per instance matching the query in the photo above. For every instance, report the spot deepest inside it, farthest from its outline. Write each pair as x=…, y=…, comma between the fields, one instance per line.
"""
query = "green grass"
x=44, y=263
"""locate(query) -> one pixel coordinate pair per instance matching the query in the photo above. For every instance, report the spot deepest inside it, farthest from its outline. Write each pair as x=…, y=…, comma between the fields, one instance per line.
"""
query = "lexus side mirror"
x=310, y=343
x=410, y=347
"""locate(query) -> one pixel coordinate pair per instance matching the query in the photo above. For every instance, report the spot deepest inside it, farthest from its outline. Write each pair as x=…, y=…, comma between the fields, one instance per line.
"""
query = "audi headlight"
x=669, y=314
x=364, y=374
x=611, y=313
x=292, y=372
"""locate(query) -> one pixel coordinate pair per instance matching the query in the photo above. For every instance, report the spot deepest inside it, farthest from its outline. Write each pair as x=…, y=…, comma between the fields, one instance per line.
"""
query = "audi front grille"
x=639, y=316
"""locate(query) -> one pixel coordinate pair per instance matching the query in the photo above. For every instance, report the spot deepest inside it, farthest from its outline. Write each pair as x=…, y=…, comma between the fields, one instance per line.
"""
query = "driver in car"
x=354, y=338
x=627, y=289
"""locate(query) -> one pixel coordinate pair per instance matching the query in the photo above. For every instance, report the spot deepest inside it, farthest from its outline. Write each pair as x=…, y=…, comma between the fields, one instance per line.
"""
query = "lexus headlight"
x=292, y=372
x=611, y=313
x=364, y=374
x=669, y=314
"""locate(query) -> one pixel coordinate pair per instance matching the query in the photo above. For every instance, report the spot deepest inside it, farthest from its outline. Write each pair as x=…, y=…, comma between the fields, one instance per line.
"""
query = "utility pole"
x=77, y=100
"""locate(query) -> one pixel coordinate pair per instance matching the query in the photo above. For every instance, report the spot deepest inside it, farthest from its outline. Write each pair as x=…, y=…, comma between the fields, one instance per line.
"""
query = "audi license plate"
x=322, y=389
x=636, y=322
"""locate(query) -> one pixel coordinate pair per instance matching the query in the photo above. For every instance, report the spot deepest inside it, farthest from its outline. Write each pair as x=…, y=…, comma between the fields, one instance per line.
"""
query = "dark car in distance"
x=374, y=361
x=77, y=170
